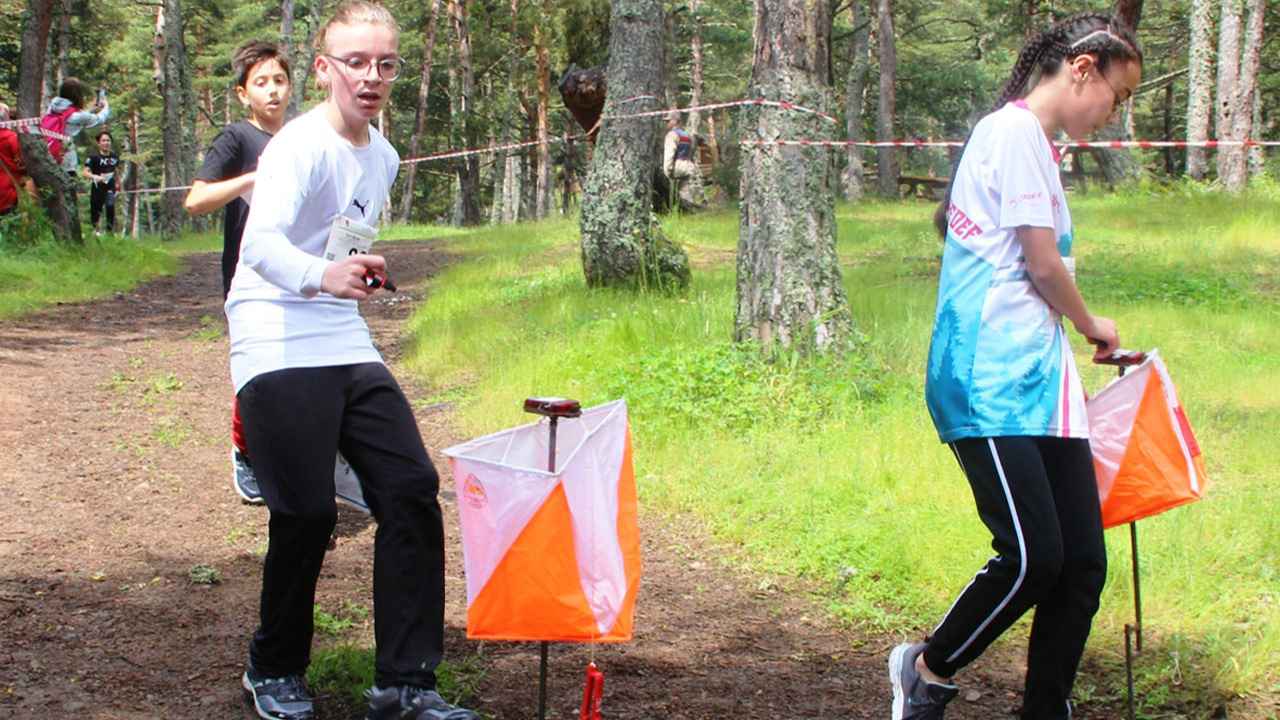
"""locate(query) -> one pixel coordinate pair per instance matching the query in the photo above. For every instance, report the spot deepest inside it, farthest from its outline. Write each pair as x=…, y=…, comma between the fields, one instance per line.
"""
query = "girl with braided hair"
x=1002, y=386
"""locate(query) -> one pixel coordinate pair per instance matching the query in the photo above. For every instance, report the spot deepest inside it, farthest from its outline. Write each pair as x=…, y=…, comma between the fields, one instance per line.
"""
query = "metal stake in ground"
x=553, y=408
x=1126, y=359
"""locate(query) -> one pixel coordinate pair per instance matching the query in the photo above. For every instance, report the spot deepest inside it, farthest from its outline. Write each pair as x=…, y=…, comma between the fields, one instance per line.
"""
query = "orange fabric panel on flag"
x=535, y=591
x=1161, y=467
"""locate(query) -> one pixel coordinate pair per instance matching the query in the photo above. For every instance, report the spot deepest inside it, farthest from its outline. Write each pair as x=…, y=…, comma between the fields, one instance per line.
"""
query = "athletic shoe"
x=243, y=479
x=284, y=698
x=914, y=698
x=408, y=702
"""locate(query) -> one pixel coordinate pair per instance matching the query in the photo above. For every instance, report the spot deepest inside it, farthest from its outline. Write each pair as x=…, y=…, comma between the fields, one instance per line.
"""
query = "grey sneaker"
x=913, y=697
x=407, y=702
x=285, y=698
x=243, y=479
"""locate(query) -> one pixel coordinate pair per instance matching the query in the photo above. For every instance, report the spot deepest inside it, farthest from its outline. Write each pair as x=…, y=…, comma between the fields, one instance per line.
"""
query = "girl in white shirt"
x=310, y=383
x=1002, y=385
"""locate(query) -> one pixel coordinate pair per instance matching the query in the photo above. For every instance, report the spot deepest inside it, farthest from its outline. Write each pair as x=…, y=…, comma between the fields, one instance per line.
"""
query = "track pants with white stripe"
x=1039, y=498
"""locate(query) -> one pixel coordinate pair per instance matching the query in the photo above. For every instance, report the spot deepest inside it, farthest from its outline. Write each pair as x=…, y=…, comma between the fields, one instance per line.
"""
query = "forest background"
x=485, y=73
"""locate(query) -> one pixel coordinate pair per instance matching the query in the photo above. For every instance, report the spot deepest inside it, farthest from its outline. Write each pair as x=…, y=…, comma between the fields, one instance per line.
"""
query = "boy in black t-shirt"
x=101, y=169
x=226, y=179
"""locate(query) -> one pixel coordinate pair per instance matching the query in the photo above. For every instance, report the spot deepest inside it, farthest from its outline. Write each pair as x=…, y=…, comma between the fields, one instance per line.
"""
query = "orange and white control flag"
x=1144, y=453
x=550, y=556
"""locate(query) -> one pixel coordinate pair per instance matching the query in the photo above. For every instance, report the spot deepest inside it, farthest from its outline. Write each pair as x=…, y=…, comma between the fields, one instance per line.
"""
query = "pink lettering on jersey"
x=1032, y=199
x=961, y=224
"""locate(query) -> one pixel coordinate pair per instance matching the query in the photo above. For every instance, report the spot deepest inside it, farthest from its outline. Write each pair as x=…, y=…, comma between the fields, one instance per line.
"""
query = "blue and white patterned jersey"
x=999, y=362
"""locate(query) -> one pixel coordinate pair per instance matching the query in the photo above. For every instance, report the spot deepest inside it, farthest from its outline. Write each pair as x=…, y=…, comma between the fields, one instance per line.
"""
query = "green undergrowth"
x=831, y=471
x=41, y=274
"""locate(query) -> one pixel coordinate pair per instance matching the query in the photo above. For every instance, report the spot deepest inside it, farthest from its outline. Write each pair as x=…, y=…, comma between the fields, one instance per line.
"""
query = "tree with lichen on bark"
x=621, y=244
x=790, y=292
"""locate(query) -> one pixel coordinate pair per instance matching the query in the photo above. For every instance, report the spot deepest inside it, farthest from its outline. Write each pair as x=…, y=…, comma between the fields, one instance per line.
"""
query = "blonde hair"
x=361, y=12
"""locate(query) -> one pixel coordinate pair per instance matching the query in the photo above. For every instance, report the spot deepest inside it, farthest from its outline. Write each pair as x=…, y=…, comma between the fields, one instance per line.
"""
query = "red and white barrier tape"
x=31, y=126
x=1080, y=144
x=717, y=106
x=490, y=149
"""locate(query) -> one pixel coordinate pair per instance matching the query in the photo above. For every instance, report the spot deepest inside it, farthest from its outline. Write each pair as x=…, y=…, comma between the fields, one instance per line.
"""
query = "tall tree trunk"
x=420, y=113
x=173, y=132
x=693, y=121
x=1199, y=87
x=887, y=167
x=852, y=180
x=546, y=171
x=503, y=171
x=64, y=43
x=59, y=191
x=289, y=45
x=621, y=246
x=1246, y=91
x=789, y=290
x=466, y=169
x=1227, y=90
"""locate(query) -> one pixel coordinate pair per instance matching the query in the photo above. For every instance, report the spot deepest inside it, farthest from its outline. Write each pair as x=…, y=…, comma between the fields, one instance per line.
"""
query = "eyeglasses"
x=1119, y=101
x=388, y=69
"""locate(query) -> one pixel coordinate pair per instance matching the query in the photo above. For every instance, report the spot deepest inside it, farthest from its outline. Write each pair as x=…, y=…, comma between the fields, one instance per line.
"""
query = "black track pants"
x=1039, y=499
x=295, y=421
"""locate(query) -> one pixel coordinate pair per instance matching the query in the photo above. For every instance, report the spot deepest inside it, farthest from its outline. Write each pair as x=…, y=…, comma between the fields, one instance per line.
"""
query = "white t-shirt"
x=277, y=318
x=999, y=361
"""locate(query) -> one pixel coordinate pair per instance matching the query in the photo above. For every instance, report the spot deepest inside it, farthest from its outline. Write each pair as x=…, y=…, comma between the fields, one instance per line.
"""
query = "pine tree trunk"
x=852, y=180
x=887, y=167
x=420, y=113
x=467, y=169
x=1246, y=92
x=621, y=246
x=64, y=43
x=1230, y=160
x=1199, y=87
x=173, y=132
x=287, y=42
x=693, y=121
x=789, y=289
x=546, y=171
x=57, y=190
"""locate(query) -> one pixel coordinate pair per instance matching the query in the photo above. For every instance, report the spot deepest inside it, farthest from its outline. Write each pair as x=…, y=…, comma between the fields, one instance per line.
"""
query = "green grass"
x=834, y=472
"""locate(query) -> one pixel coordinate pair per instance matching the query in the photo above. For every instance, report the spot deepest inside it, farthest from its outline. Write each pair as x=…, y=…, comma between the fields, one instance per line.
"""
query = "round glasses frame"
x=389, y=69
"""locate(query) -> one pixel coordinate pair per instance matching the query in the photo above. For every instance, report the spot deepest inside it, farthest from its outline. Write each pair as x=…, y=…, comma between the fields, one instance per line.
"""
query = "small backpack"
x=56, y=123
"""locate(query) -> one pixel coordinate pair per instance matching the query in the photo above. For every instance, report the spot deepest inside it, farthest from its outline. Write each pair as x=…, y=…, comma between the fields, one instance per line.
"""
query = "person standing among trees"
x=310, y=382
x=226, y=179
x=677, y=159
x=1002, y=385
x=100, y=169
x=71, y=120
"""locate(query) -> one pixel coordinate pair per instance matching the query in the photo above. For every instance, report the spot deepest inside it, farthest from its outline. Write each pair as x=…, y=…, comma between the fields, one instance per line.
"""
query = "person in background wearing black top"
x=226, y=179
x=101, y=169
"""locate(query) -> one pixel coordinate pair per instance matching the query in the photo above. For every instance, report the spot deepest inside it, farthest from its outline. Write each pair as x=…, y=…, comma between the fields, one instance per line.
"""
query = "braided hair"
x=1096, y=34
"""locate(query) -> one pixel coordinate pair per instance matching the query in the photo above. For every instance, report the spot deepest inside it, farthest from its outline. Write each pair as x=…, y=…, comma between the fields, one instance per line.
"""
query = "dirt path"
x=114, y=472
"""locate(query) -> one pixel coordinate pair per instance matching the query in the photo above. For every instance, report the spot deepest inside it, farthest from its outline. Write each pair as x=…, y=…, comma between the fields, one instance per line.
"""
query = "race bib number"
x=349, y=237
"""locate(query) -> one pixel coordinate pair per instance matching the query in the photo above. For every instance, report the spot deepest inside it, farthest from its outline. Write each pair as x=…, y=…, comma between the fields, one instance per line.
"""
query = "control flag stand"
x=1125, y=359
x=553, y=409
x=549, y=533
x=1146, y=460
